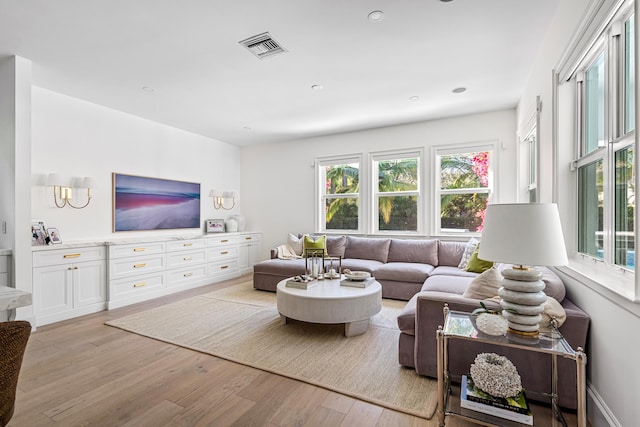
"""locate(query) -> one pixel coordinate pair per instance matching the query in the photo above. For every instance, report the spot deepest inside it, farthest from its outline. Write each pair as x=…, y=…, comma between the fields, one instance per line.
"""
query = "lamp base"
x=522, y=300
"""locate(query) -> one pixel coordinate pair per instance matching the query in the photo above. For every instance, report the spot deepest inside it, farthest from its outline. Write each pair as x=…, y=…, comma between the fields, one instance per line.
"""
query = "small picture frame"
x=54, y=235
x=215, y=226
x=39, y=235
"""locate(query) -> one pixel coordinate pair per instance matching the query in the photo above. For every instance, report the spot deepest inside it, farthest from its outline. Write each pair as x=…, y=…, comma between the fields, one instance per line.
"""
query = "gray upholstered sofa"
x=426, y=274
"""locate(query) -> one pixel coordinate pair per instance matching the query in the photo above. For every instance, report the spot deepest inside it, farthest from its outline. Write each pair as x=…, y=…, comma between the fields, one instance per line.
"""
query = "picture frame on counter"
x=54, y=236
x=215, y=226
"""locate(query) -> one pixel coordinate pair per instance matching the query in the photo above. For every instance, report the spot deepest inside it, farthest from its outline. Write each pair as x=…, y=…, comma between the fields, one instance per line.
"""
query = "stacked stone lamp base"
x=523, y=299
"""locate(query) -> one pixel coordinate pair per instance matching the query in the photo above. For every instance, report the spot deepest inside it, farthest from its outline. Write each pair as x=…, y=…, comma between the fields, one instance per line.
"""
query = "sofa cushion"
x=336, y=245
x=312, y=243
x=355, y=264
x=447, y=284
x=484, y=286
x=403, y=272
x=418, y=251
x=469, y=249
x=450, y=253
x=451, y=271
x=478, y=265
x=295, y=243
x=280, y=267
x=367, y=248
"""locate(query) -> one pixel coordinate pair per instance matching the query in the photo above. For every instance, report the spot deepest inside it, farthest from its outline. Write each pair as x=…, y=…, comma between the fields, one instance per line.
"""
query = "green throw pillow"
x=319, y=243
x=478, y=265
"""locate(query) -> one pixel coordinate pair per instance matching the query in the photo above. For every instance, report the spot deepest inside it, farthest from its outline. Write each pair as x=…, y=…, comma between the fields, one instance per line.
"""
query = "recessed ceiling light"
x=147, y=89
x=445, y=1
x=316, y=87
x=376, y=16
x=414, y=98
x=459, y=90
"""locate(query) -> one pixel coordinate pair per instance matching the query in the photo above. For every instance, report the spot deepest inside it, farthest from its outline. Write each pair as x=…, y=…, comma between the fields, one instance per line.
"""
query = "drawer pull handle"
x=223, y=267
x=139, y=249
x=224, y=252
x=247, y=238
x=139, y=285
x=188, y=274
x=187, y=258
x=224, y=241
x=187, y=244
x=72, y=256
x=144, y=264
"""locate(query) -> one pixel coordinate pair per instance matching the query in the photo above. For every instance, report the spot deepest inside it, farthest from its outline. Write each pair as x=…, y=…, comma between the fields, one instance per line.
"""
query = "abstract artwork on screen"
x=142, y=203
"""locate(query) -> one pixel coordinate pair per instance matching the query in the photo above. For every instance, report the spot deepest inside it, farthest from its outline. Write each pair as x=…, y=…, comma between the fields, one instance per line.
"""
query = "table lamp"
x=525, y=235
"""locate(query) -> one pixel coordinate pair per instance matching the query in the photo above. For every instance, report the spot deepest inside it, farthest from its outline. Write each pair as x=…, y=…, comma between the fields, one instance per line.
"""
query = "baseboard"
x=598, y=413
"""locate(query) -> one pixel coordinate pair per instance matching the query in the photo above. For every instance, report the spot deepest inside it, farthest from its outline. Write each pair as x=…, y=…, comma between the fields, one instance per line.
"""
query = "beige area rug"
x=242, y=325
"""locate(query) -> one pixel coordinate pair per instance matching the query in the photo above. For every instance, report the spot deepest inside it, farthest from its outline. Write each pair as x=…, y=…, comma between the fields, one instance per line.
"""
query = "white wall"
x=77, y=138
x=278, y=179
x=612, y=375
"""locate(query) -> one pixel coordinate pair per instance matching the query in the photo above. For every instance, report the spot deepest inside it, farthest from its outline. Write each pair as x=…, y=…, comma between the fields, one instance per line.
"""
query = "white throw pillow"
x=484, y=286
x=552, y=310
x=469, y=249
x=295, y=243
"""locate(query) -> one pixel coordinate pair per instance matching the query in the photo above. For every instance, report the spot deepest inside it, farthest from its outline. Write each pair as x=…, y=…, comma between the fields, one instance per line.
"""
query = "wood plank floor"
x=81, y=372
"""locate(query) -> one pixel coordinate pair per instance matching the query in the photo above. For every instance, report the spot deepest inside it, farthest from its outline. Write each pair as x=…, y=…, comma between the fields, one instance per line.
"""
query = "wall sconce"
x=64, y=192
x=219, y=198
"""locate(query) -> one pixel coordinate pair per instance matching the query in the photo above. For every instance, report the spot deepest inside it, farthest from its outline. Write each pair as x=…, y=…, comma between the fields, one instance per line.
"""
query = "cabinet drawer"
x=221, y=241
x=186, y=245
x=68, y=256
x=222, y=253
x=250, y=238
x=186, y=275
x=218, y=268
x=124, y=267
x=4, y=264
x=141, y=249
x=137, y=285
x=176, y=259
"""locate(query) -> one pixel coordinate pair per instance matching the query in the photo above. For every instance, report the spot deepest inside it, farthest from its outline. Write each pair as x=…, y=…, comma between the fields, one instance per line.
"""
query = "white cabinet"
x=136, y=272
x=222, y=257
x=68, y=283
x=248, y=252
x=186, y=263
x=4, y=270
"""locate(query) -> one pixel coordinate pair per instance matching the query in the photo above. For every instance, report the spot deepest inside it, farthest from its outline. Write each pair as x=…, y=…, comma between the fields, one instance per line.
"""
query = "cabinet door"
x=89, y=283
x=243, y=256
x=254, y=254
x=52, y=289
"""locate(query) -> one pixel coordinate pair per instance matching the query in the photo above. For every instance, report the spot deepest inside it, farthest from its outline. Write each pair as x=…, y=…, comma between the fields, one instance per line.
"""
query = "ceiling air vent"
x=262, y=45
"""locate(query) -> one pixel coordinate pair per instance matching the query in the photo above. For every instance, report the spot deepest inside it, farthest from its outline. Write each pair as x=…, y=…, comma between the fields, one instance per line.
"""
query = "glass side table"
x=459, y=325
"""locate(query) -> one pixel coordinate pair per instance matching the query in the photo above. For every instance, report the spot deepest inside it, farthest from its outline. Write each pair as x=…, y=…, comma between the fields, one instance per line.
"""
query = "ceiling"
x=180, y=62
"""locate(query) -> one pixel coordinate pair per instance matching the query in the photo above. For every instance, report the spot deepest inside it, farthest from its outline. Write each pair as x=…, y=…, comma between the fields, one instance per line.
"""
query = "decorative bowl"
x=357, y=275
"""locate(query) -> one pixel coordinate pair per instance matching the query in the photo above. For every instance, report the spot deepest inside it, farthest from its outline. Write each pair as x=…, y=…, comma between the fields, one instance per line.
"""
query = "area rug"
x=242, y=325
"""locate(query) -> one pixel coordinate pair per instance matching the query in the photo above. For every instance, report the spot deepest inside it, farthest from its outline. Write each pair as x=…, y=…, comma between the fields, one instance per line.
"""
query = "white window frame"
x=376, y=157
x=321, y=195
x=604, y=271
x=450, y=149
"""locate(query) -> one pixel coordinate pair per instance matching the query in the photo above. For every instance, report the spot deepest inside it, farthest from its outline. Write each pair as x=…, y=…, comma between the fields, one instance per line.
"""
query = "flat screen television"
x=143, y=203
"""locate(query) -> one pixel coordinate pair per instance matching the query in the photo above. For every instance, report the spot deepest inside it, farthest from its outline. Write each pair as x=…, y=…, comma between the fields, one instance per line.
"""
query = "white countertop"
x=5, y=252
x=11, y=298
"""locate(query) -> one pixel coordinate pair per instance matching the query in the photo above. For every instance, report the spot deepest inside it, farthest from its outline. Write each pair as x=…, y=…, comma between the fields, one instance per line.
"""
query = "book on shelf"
x=357, y=283
x=514, y=409
x=301, y=284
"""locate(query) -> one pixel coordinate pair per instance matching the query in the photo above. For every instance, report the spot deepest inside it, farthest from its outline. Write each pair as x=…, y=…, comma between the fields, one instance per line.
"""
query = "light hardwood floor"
x=81, y=372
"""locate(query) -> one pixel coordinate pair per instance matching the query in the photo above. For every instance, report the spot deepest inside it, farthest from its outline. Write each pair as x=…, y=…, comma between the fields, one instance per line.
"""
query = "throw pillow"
x=552, y=310
x=476, y=264
x=468, y=251
x=484, y=286
x=295, y=243
x=319, y=243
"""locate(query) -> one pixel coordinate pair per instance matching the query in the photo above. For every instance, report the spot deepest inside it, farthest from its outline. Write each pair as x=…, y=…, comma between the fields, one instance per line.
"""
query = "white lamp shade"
x=215, y=193
x=523, y=233
x=88, y=182
x=230, y=195
x=55, y=179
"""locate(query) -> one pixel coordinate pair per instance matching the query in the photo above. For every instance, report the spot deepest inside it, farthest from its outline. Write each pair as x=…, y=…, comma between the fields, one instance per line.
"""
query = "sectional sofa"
x=425, y=273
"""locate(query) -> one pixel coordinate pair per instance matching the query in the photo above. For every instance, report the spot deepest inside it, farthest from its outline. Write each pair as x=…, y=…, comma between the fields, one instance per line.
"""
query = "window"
x=397, y=191
x=464, y=185
x=606, y=154
x=339, y=181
